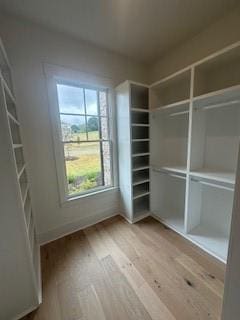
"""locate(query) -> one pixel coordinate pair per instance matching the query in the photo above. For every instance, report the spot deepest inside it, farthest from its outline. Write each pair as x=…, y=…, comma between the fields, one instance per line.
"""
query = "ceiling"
x=140, y=29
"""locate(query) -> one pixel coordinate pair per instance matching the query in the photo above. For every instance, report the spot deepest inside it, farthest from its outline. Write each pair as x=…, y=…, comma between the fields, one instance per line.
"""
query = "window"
x=85, y=139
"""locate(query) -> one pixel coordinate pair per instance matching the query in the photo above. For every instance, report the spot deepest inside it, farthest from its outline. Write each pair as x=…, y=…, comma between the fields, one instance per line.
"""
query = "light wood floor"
x=118, y=271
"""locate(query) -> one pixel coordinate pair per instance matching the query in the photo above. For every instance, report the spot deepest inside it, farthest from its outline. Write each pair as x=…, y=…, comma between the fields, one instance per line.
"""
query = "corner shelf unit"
x=17, y=227
x=195, y=131
x=134, y=151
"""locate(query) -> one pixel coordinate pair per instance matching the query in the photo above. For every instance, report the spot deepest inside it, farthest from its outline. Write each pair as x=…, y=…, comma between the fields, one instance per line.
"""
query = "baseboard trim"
x=72, y=227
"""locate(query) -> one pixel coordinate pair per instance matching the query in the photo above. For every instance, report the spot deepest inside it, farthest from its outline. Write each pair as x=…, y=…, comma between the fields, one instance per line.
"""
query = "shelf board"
x=140, y=140
x=211, y=239
x=20, y=172
x=173, y=169
x=214, y=175
x=140, y=168
x=140, y=110
x=13, y=118
x=16, y=146
x=24, y=189
x=217, y=98
x=9, y=92
x=176, y=222
x=169, y=107
x=140, y=125
x=141, y=194
x=140, y=181
x=141, y=154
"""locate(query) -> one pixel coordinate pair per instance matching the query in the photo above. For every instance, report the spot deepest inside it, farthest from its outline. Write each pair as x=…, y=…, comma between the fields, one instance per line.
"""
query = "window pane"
x=107, y=163
x=103, y=103
x=73, y=128
x=70, y=99
x=93, y=128
x=91, y=102
x=83, y=166
x=104, y=128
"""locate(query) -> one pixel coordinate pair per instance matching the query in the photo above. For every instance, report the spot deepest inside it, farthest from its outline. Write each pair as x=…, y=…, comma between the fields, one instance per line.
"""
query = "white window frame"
x=54, y=75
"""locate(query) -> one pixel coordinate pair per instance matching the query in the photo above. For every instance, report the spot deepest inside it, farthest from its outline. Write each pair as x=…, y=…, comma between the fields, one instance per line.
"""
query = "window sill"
x=74, y=200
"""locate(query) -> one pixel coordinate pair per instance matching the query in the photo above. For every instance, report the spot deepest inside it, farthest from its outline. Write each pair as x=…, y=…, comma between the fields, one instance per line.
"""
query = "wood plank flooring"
x=118, y=271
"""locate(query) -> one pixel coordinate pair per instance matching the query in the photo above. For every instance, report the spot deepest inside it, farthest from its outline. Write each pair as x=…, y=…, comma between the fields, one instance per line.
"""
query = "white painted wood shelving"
x=20, y=272
x=133, y=141
x=194, y=140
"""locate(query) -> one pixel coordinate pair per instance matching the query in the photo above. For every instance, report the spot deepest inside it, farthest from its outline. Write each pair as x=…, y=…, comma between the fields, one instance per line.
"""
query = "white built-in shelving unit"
x=194, y=130
x=134, y=152
x=21, y=259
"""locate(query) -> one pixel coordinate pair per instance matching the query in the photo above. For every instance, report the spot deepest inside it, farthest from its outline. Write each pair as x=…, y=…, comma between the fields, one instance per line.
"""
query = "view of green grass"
x=83, y=164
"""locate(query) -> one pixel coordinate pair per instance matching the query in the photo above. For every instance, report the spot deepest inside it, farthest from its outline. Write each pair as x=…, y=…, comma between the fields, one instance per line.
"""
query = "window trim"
x=55, y=75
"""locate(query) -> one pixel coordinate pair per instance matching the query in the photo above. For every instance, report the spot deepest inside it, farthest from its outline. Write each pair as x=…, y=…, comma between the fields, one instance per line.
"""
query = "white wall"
x=217, y=36
x=28, y=47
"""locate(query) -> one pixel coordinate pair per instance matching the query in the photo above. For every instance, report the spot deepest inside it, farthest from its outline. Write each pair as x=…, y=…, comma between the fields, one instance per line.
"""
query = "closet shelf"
x=8, y=91
x=173, y=169
x=175, y=105
x=140, y=125
x=141, y=154
x=214, y=175
x=218, y=98
x=20, y=172
x=13, y=119
x=140, y=194
x=140, y=181
x=140, y=140
x=16, y=146
x=138, y=168
x=140, y=110
x=25, y=188
x=171, y=220
x=211, y=240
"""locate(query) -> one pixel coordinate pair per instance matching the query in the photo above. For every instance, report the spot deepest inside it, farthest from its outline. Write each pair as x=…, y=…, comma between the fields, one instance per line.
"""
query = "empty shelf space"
x=139, y=117
x=215, y=175
x=171, y=91
x=140, y=190
x=138, y=162
x=7, y=84
x=176, y=108
x=15, y=131
x=209, y=215
x=219, y=72
x=168, y=199
x=220, y=98
x=171, y=219
x=215, y=143
x=140, y=133
x=13, y=118
x=141, y=206
x=140, y=146
x=211, y=239
x=139, y=96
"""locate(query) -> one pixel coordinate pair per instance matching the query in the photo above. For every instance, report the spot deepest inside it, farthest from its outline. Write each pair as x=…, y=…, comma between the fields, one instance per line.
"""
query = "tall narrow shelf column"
x=133, y=149
x=20, y=263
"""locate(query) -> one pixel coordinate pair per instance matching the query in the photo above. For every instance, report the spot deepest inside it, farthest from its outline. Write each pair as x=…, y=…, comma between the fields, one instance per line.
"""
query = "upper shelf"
x=215, y=175
x=228, y=96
